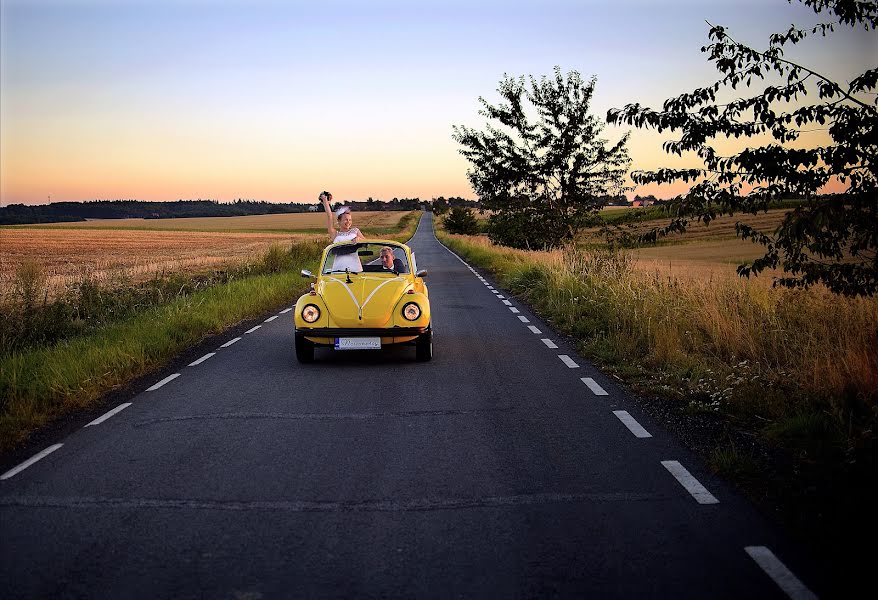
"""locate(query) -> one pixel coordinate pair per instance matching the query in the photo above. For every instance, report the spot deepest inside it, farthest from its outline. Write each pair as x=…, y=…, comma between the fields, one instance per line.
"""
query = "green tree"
x=828, y=240
x=541, y=164
x=462, y=221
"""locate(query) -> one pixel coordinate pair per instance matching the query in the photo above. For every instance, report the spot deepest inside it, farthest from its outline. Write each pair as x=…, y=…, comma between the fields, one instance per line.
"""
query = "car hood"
x=368, y=301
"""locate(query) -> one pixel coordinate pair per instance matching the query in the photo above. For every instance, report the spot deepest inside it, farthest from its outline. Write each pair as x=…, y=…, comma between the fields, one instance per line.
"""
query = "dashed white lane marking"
x=230, y=342
x=16, y=470
x=490, y=287
x=195, y=363
x=162, y=382
x=270, y=319
x=252, y=329
x=501, y=296
x=596, y=389
x=692, y=485
x=109, y=414
x=514, y=310
x=534, y=329
x=285, y=311
x=549, y=343
x=568, y=361
x=632, y=425
x=523, y=319
x=781, y=575
x=507, y=303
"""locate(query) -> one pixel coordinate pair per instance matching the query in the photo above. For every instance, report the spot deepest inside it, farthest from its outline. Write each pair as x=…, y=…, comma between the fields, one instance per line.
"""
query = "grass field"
x=295, y=222
x=107, y=248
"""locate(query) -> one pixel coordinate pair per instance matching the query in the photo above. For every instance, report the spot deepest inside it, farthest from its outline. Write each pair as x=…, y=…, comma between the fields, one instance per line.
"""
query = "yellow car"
x=367, y=295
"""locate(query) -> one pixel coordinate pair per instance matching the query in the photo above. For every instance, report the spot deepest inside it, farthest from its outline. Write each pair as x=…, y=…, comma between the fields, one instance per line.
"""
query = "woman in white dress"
x=345, y=232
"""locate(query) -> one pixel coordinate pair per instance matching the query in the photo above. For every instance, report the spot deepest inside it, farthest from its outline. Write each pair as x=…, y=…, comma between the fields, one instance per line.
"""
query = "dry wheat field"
x=138, y=249
x=284, y=222
x=66, y=255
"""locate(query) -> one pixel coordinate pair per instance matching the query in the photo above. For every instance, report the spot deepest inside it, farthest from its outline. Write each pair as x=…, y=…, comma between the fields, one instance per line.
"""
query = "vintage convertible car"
x=358, y=303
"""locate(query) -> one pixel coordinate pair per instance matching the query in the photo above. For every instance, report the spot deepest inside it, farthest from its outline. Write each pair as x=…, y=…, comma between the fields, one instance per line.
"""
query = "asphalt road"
x=494, y=471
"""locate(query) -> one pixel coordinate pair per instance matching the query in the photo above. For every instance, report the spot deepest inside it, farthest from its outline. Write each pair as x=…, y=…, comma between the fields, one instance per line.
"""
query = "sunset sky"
x=162, y=99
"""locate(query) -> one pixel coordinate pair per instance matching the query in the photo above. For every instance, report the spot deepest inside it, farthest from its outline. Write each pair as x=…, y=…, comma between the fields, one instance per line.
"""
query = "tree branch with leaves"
x=828, y=240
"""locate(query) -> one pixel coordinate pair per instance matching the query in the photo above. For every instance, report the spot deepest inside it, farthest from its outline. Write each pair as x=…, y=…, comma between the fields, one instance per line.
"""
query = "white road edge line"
x=507, y=302
x=16, y=470
x=270, y=319
x=162, y=382
x=534, y=329
x=514, y=310
x=568, y=361
x=779, y=573
x=501, y=296
x=692, y=485
x=109, y=414
x=632, y=425
x=195, y=363
x=549, y=343
x=230, y=342
x=252, y=329
x=285, y=311
x=523, y=319
x=596, y=389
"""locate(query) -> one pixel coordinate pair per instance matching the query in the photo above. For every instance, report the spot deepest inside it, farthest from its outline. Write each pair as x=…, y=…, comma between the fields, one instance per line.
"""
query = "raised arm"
x=330, y=225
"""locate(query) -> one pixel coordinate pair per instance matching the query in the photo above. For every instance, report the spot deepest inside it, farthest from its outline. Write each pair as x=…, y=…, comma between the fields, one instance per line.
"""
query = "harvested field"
x=721, y=228
x=365, y=220
x=66, y=255
x=706, y=259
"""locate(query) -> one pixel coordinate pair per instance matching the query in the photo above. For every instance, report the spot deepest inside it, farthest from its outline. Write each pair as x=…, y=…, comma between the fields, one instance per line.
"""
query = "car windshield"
x=366, y=257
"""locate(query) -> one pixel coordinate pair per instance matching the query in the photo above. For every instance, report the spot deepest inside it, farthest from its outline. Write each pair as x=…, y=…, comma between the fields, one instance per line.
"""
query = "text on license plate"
x=358, y=343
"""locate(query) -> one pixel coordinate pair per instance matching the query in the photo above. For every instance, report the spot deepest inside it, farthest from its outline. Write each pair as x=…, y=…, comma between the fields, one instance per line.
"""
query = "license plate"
x=358, y=343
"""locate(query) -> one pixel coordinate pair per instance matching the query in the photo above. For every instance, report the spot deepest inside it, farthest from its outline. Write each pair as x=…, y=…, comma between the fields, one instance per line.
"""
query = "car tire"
x=304, y=349
x=424, y=346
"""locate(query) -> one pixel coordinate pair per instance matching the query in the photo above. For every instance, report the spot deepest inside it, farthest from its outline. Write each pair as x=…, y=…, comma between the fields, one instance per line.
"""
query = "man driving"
x=389, y=262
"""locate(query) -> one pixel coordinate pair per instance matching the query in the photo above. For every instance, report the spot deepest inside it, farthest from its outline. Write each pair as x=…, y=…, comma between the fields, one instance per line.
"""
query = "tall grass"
x=725, y=344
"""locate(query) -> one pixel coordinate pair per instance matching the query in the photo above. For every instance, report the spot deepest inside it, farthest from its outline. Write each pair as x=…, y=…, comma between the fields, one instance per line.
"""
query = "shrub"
x=461, y=221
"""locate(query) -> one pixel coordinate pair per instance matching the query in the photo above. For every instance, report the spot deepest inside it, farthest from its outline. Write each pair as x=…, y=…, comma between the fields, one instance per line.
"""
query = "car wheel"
x=424, y=346
x=304, y=349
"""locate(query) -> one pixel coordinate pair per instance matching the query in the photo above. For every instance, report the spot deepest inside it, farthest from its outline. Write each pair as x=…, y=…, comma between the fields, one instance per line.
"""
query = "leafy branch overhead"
x=540, y=164
x=827, y=240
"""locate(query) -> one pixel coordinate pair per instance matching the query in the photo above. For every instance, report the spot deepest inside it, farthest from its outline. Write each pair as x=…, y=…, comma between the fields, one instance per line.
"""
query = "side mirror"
x=421, y=273
x=307, y=274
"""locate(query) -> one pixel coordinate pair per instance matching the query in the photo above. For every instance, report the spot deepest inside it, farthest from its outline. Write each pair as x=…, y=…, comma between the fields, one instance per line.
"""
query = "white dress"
x=347, y=261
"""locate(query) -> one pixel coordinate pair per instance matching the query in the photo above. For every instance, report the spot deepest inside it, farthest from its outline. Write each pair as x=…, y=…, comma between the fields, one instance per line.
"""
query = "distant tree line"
x=58, y=212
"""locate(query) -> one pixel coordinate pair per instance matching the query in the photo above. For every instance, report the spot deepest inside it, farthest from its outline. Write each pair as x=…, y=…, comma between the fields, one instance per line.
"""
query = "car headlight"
x=310, y=313
x=411, y=311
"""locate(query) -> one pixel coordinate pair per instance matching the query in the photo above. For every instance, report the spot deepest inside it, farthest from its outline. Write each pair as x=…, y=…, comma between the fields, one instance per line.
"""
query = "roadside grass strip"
x=270, y=319
x=779, y=573
x=252, y=329
x=568, y=361
x=596, y=389
x=534, y=329
x=167, y=379
x=37, y=457
x=195, y=363
x=692, y=485
x=632, y=425
x=549, y=343
x=230, y=342
x=108, y=414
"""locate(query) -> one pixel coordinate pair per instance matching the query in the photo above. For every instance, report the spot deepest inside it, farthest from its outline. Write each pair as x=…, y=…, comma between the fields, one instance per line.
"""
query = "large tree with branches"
x=541, y=164
x=829, y=240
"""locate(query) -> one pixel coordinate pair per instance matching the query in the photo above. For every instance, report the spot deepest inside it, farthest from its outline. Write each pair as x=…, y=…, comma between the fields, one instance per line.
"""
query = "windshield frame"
x=399, y=251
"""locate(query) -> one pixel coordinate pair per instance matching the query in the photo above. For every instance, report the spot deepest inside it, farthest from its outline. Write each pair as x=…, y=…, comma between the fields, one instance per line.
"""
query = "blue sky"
x=278, y=100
